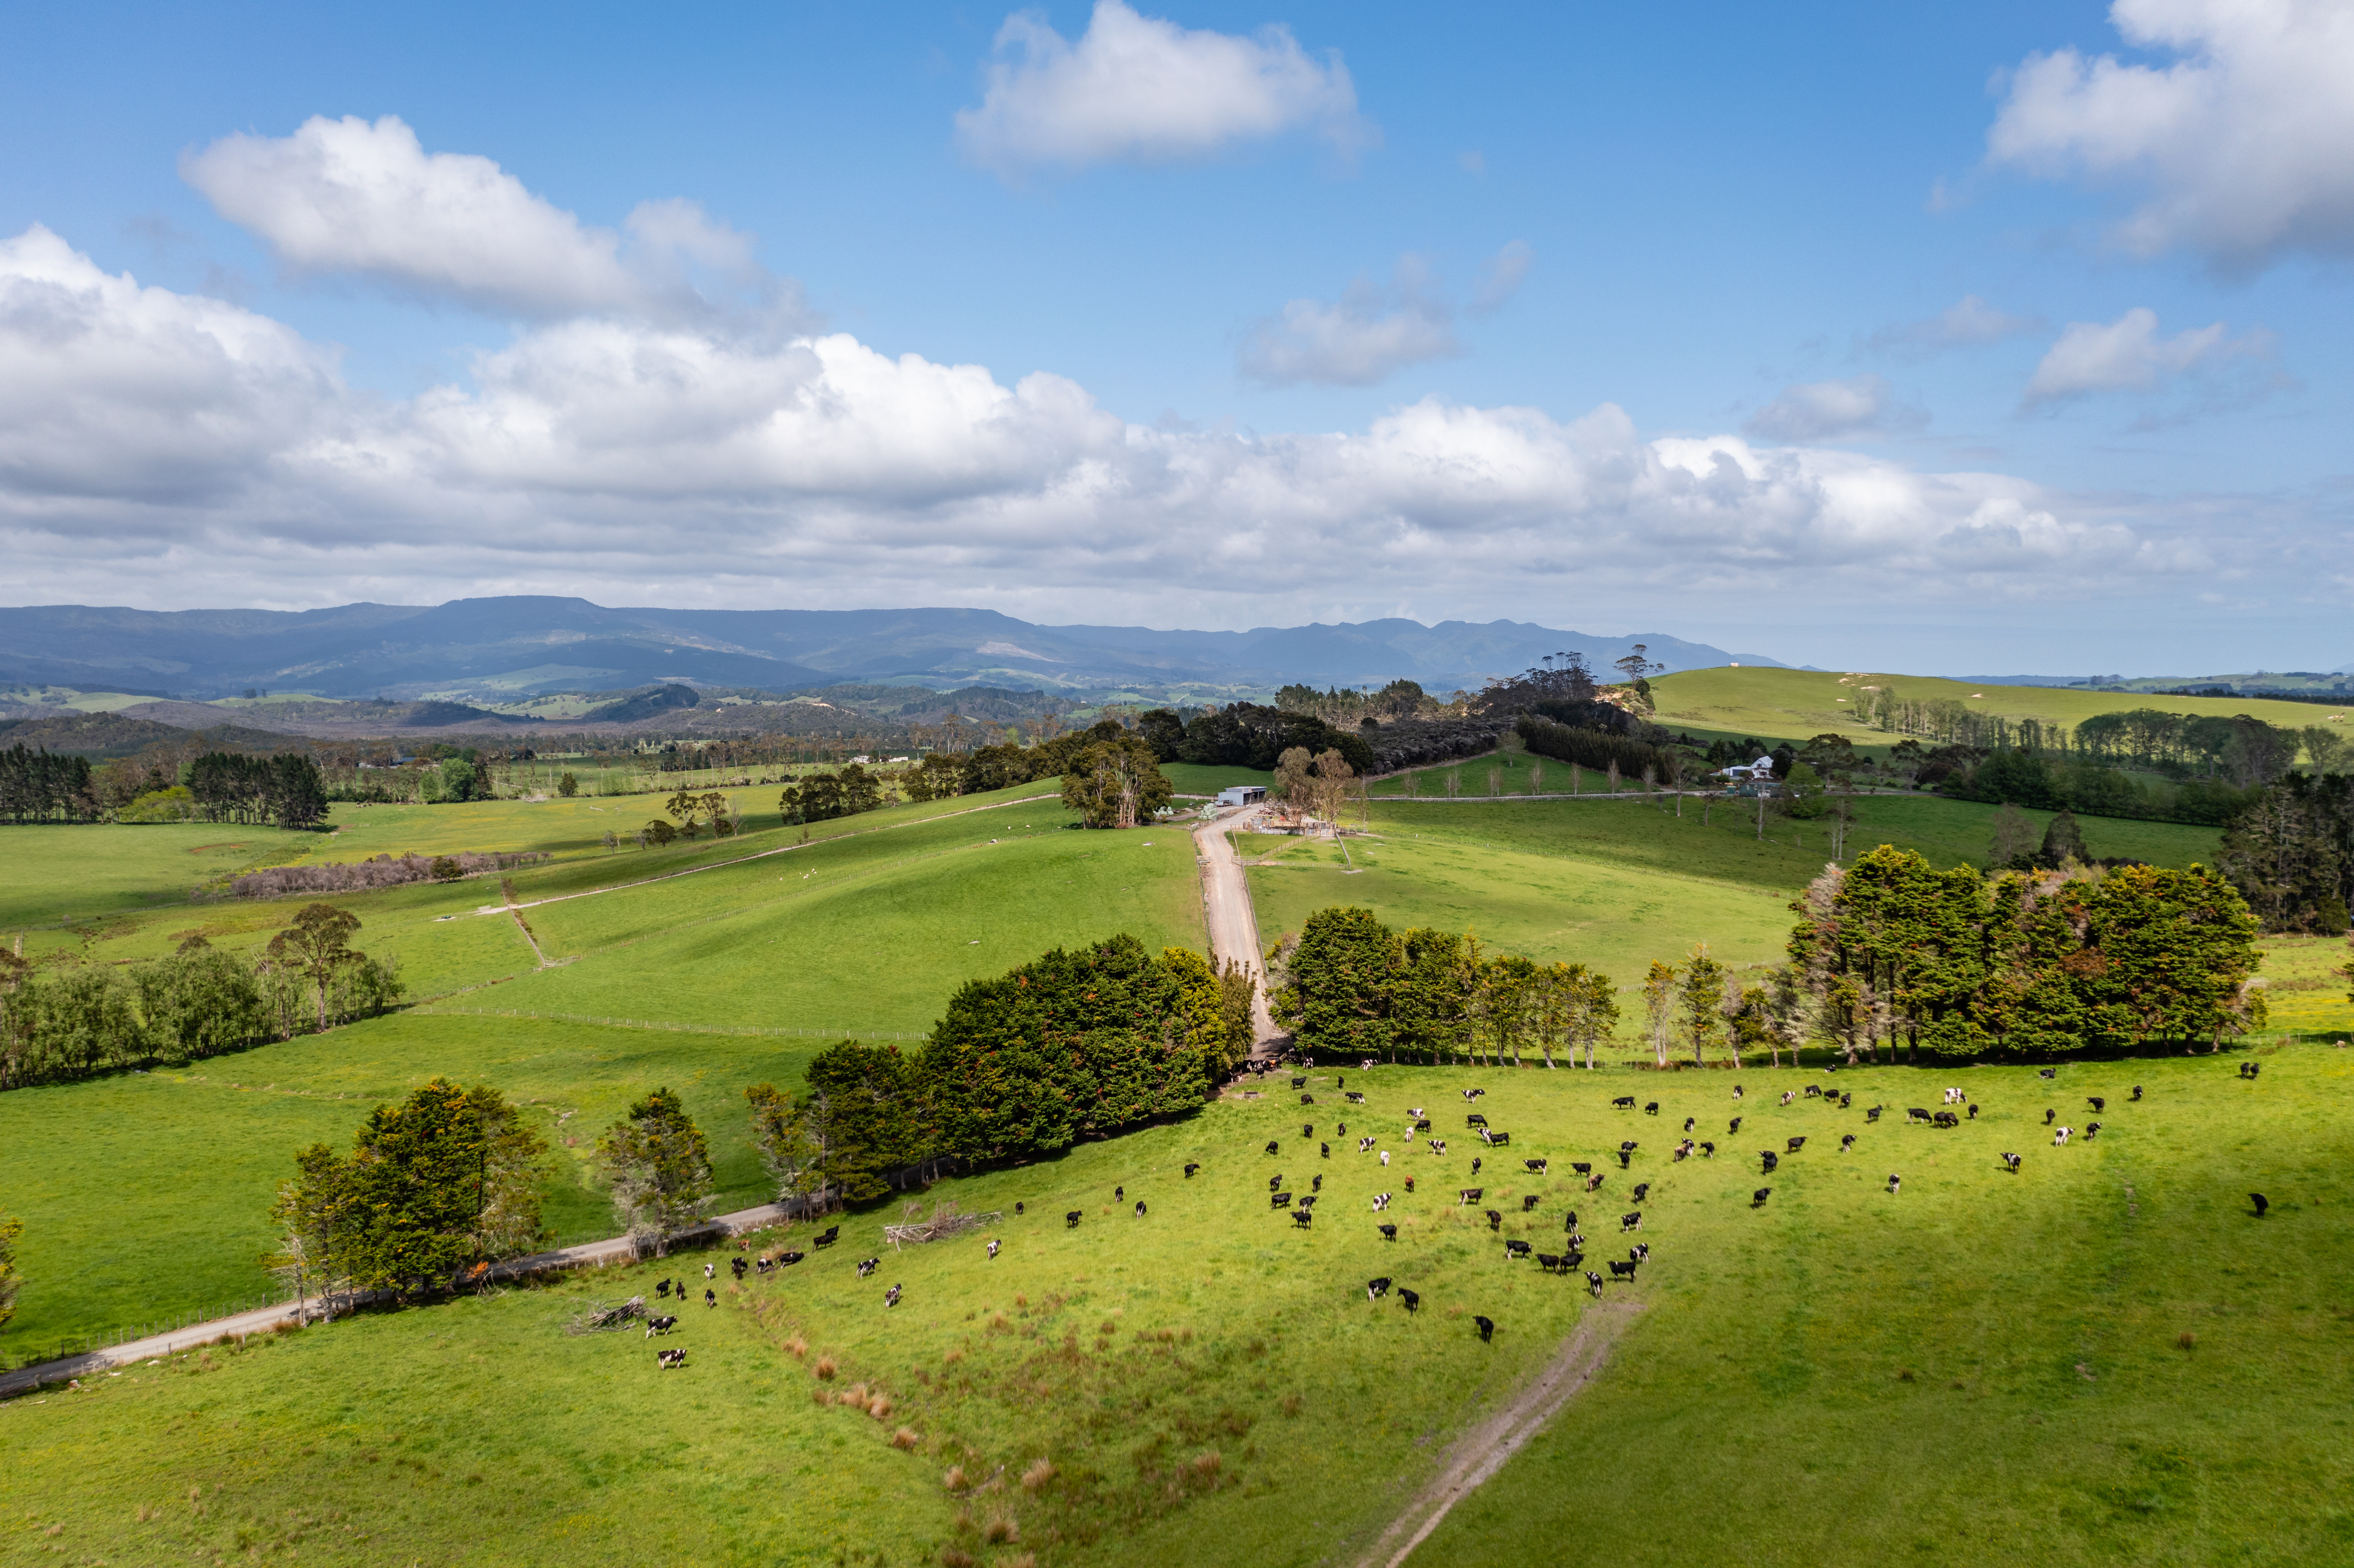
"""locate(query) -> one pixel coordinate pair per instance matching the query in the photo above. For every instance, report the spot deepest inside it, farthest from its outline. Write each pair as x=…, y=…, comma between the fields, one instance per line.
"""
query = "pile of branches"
x=946, y=1222
x=1415, y=742
x=382, y=871
x=600, y=1320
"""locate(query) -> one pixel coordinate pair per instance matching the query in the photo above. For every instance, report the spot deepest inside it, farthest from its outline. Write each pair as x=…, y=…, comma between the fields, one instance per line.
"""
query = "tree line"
x=286, y=788
x=57, y=1024
x=42, y=786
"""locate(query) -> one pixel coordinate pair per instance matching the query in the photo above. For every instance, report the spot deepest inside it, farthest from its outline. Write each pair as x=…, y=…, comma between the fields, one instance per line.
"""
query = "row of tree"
x=2291, y=853
x=2050, y=782
x=1604, y=751
x=62, y=1024
x=42, y=786
x=821, y=797
x=1349, y=988
x=228, y=787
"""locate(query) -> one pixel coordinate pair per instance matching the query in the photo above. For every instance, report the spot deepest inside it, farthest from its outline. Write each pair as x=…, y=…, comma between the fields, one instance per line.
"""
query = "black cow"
x=1422, y=1124
x=1469, y=1194
x=1733, y=1127
x=1275, y=1182
x=1549, y=1261
x=1140, y=1208
x=1408, y=1299
x=1274, y=1147
x=1325, y=1150
x=1846, y=1101
x=1621, y=1270
x=2097, y=1103
x=670, y=1361
x=1279, y=1200
x=1629, y=1222
x=2047, y=1072
x=1571, y=1223
x=1307, y=1129
x=1642, y=1191
x=1584, y=1167
x=1708, y=1150
x=829, y=1238
x=660, y=1326
x=1303, y=1216
x=1316, y=1183
x=1071, y=1221
x=1797, y=1144
x=1846, y=1143
x=2091, y=1131
x=1758, y=1199
x=1534, y=1167
x=1119, y=1194
x=1652, y=1109
x=1946, y=1119
x=738, y=1265
x=1874, y=1114
x=2261, y=1201
x=1688, y=1124
x=710, y=1296
x=1736, y=1091
x=2048, y=1113
x=1516, y=1249
x=1974, y=1110
x=1570, y=1259
x=1593, y=1284
x=787, y=1259
x=1298, y=1083
x=1771, y=1160
x=2012, y=1161
x=2137, y=1094
x=1495, y=1221
x=1916, y=1113
x=1377, y=1289
x=1190, y=1169
x=1354, y=1098
x=1624, y=1102
x=1894, y=1181
x=1814, y=1091
x=1475, y=1165
x=1626, y=1161
x=662, y=1287
x=1500, y=1140
x=1475, y=1119
x=1389, y=1233
x=1628, y=1145
x=1486, y=1329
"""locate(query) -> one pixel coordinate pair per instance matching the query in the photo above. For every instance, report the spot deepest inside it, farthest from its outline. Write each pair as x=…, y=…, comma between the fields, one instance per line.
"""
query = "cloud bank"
x=2129, y=356
x=2240, y=144
x=1139, y=89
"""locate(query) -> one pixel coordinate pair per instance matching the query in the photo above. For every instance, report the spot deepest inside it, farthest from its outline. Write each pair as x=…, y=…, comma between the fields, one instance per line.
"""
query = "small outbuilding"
x=1242, y=795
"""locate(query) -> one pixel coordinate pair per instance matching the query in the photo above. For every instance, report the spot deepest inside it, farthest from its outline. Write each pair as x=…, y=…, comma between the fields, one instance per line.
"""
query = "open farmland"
x=2105, y=1358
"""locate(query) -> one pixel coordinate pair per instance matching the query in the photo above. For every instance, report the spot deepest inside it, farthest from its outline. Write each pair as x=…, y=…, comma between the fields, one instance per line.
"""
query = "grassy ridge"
x=1797, y=705
x=2051, y=1416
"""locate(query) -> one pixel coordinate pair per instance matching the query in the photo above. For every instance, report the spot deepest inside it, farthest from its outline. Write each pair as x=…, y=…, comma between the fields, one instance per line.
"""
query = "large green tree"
x=1335, y=994
x=1116, y=783
x=659, y=1170
x=861, y=1120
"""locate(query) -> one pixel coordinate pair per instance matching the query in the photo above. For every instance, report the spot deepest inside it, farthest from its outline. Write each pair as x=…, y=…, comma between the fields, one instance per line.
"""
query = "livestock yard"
x=2104, y=1355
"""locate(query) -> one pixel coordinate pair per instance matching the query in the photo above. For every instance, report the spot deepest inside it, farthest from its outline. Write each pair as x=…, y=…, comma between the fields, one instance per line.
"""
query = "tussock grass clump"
x=1001, y=1531
x=825, y=1367
x=955, y=1479
x=1207, y=1464
x=956, y=1557
x=2186, y=1340
x=1040, y=1472
x=906, y=1438
x=880, y=1406
x=797, y=1347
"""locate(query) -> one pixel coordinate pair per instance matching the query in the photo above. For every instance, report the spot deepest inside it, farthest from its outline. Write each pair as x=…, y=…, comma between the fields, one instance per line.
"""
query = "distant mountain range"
x=501, y=650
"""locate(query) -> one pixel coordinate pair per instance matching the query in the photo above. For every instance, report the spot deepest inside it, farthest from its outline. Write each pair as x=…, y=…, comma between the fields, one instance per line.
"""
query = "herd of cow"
x=1569, y=1262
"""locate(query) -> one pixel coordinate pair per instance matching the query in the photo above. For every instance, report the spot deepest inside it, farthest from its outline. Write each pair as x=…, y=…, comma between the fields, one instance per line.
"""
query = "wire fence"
x=83, y=1344
x=744, y=1030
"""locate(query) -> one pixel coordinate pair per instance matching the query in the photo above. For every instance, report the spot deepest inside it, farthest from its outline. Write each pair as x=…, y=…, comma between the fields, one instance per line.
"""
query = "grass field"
x=1986, y=1365
x=1797, y=705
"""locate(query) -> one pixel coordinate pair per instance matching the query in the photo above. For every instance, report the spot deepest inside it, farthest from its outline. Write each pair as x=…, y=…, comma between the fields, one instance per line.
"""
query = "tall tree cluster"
x=1891, y=952
x=59, y=1024
x=287, y=788
x=1350, y=988
x=2291, y=853
x=41, y=786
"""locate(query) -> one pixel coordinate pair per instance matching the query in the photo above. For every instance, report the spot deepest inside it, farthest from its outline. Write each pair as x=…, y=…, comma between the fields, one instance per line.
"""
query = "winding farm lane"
x=1226, y=912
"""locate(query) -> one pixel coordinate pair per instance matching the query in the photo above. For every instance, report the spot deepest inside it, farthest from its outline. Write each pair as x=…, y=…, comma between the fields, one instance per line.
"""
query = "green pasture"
x=2105, y=1358
x=1797, y=705
x=1616, y=883
x=50, y=873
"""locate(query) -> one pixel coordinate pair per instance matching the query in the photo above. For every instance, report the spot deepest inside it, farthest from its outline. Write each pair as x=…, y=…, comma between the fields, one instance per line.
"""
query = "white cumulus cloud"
x=1142, y=89
x=2129, y=355
x=351, y=196
x=2241, y=144
x=1356, y=340
x=1966, y=324
x=1828, y=410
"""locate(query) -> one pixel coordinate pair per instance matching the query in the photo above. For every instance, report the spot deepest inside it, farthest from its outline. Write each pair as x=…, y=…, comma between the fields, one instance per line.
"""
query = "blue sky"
x=1869, y=336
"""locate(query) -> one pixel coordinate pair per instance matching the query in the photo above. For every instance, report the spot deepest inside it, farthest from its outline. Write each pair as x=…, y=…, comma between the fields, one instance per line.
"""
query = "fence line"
x=83, y=1344
x=744, y=1030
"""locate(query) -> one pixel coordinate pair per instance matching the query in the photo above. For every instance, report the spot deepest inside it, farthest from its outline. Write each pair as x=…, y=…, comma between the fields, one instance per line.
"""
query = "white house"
x=1748, y=772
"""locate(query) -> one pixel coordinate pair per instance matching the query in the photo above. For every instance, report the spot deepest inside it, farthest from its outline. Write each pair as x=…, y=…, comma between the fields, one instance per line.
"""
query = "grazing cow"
x=1708, y=1150
x=1626, y=1161
x=1364, y=1144
x=993, y=1245
x=1389, y=1233
x=1594, y=1183
x=1642, y=1253
x=1572, y=1259
x=1893, y=1182
x=1652, y=1108
x=737, y=1266
x=1307, y=1129
x=1621, y=1270
x=670, y=1361
x=1308, y=1201
x=1354, y=1098
x=2061, y=1135
x=1549, y=1261
x=1593, y=1284
x=2137, y=1094
x=1814, y=1091
x=1629, y=1222
x=1500, y=1140
x=830, y=1235
x=1874, y=1113
x=1274, y=1147
x=1624, y=1102
x=1974, y=1110
x=1275, y=1182
x=1758, y=1199
x=870, y=1265
x=1190, y=1169
x=1475, y=1119
x=1733, y=1127
x=891, y=1297
x=2048, y=1115
x=2250, y=1069
x=1307, y=1100
x=2047, y=1072
x=659, y=1326
x=1408, y=1299
x=1628, y=1147
x=1414, y=1110
x=1475, y=1165
x=1946, y=1119
x=1071, y=1220
x=1516, y=1249
x=1377, y=1289
x=1409, y=1183
x=1279, y=1200
x=1422, y=1124
x=662, y=1287
x=1769, y=1160
x=1486, y=1329
x=1581, y=1167
x=2011, y=1160
x=765, y=1264
x=1325, y=1150
x=1846, y=1101
x=1298, y=1083
x=787, y=1259
x=1017, y=1208
x=2091, y=1131
x=1381, y=1202
x=708, y=1271
x=1571, y=1223
x=1917, y=1113
x=710, y=1296
x=1797, y=1144
x=1536, y=1167
x=1470, y=1194
x=1528, y=1201
x=1303, y=1216
x=1118, y=1195
x=1495, y=1220
x=1736, y=1091
x=1683, y=1151
x=1140, y=1208
x=1952, y=1095
x=1642, y=1191
x=1788, y=1097
x=1385, y=1158
x=1846, y=1143
x=1688, y=1124
x=2261, y=1201
x=1316, y=1183
x=2097, y=1103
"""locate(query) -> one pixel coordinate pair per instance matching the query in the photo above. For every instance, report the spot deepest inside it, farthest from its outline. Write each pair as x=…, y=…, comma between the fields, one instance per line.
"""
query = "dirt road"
x=1227, y=911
